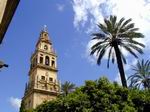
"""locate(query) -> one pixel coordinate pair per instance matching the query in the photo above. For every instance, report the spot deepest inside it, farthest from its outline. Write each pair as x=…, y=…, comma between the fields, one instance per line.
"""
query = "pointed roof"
x=44, y=36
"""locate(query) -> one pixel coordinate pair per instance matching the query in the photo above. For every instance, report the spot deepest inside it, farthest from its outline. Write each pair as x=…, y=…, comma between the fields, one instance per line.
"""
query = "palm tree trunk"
x=120, y=66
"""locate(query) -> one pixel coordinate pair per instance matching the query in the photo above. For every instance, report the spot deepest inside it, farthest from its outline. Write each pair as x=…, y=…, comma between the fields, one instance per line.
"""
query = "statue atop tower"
x=43, y=84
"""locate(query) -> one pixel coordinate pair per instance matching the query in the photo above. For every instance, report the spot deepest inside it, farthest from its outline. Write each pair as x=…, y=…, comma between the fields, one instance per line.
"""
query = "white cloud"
x=88, y=13
x=15, y=102
x=93, y=11
x=60, y=7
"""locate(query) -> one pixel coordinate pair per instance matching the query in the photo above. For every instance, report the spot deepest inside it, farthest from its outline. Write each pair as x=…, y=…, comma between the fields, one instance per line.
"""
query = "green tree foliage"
x=67, y=87
x=99, y=96
x=22, y=107
x=114, y=35
x=141, y=77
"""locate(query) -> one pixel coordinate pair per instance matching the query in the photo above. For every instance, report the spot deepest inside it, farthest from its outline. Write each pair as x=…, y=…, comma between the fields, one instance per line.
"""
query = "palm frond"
x=67, y=87
x=136, y=48
x=147, y=66
x=101, y=54
x=120, y=22
x=136, y=35
x=108, y=25
x=93, y=50
x=133, y=29
x=113, y=20
x=129, y=26
x=100, y=43
x=141, y=75
x=125, y=23
x=136, y=43
x=109, y=55
x=98, y=36
x=103, y=28
x=113, y=57
x=130, y=50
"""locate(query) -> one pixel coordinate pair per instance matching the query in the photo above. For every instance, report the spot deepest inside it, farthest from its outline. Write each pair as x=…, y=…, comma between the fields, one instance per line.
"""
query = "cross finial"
x=45, y=28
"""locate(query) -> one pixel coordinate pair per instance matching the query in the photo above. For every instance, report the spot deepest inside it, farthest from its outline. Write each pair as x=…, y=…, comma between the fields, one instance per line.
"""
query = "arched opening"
x=53, y=63
x=46, y=60
x=41, y=60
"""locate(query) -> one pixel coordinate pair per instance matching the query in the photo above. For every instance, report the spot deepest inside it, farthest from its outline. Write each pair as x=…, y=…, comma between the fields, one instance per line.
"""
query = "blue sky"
x=70, y=24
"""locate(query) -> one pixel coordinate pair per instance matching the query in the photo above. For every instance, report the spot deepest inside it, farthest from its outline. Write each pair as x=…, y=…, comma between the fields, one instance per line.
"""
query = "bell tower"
x=43, y=84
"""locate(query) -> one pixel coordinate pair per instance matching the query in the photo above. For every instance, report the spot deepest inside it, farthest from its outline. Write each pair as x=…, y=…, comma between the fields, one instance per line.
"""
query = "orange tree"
x=100, y=96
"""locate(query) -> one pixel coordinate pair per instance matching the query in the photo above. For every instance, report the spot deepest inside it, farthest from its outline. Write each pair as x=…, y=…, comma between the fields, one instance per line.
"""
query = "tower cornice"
x=31, y=91
x=41, y=66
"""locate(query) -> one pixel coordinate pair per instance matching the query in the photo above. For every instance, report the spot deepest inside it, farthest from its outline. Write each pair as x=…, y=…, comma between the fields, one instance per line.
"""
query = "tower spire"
x=44, y=36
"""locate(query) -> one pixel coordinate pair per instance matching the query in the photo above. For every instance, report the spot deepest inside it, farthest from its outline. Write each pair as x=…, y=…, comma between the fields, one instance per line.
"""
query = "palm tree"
x=67, y=87
x=141, y=77
x=114, y=35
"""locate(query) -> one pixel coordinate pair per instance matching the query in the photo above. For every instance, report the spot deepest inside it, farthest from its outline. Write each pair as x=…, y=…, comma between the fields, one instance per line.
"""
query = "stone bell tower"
x=43, y=84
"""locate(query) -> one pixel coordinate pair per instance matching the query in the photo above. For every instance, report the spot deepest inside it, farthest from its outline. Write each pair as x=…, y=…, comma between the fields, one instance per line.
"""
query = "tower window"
x=51, y=79
x=41, y=59
x=45, y=47
x=53, y=63
x=46, y=60
x=45, y=34
x=42, y=77
x=51, y=88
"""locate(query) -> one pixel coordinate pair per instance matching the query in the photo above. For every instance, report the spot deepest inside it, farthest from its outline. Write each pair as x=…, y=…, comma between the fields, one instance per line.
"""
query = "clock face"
x=45, y=47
